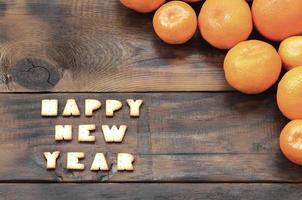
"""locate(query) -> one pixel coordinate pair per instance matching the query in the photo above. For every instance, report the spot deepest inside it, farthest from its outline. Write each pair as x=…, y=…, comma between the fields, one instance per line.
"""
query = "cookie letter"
x=134, y=107
x=91, y=105
x=73, y=160
x=49, y=107
x=124, y=162
x=114, y=134
x=71, y=108
x=111, y=106
x=99, y=163
x=84, y=133
x=63, y=132
x=51, y=159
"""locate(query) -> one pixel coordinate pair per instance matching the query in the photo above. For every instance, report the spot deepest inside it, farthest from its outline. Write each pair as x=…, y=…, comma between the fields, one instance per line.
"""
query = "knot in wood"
x=35, y=74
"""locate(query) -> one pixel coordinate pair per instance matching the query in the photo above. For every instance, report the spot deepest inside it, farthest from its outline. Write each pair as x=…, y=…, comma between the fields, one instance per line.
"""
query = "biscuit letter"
x=111, y=106
x=124, y=162
x=99, y=163
x=73, y=160
x=134, y=107
x=91, y=105
x=49, y=107
x=84, y=133
x=114, y=134
x=63, y=132
x=71, y=108
x=51, y=159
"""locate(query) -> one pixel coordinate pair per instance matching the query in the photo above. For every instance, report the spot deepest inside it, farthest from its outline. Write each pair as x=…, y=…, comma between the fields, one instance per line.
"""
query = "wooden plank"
x=151, y=191
x=75, y=45
x=196, y=137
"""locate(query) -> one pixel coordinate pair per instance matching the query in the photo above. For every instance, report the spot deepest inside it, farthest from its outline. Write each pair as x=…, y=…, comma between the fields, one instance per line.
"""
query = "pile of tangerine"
x=250, y=66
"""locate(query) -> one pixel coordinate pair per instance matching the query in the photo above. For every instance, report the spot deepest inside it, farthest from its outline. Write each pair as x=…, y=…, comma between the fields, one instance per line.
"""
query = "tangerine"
x=143, y=6
x=175, y=22
x=252, y=66
x=225, y=23
x=290, y=51
x=291, y=141
x=277, y=19
x=289, y=94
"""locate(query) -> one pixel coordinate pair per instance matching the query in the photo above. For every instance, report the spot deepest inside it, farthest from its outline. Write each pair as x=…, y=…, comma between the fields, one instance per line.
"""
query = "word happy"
x=113, y=134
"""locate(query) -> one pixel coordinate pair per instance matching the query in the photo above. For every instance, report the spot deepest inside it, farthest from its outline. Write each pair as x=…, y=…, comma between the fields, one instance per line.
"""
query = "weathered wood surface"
x=97, y=45
x=179, y=137
x=151, y=191
x=187, y=145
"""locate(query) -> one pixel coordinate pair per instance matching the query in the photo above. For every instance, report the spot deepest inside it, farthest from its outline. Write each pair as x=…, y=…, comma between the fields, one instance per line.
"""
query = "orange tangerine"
x=191, y=1
x=143, y=6
x=175, y=22
x=291, y=141
x=225, y=23
x=252, y=66
x=278, y=19
x=290, y=51
x=289, y=94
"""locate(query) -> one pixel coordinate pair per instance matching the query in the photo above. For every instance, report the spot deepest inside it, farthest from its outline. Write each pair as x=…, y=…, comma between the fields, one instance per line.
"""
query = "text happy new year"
x=113, y=134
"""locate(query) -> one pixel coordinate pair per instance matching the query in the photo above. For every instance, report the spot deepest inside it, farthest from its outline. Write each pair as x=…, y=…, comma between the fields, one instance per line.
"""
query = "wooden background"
x=196, y=137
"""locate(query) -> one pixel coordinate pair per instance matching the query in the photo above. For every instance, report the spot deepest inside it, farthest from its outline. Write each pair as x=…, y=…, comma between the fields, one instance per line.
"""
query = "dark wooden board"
x=187, y=145
x=152, y=191
x=75, y=45
x=179, y=137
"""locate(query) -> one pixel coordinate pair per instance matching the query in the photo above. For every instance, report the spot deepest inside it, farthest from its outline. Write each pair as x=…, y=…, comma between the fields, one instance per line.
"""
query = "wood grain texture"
x=92, y=45
x=179, y=137
x=152, y=191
